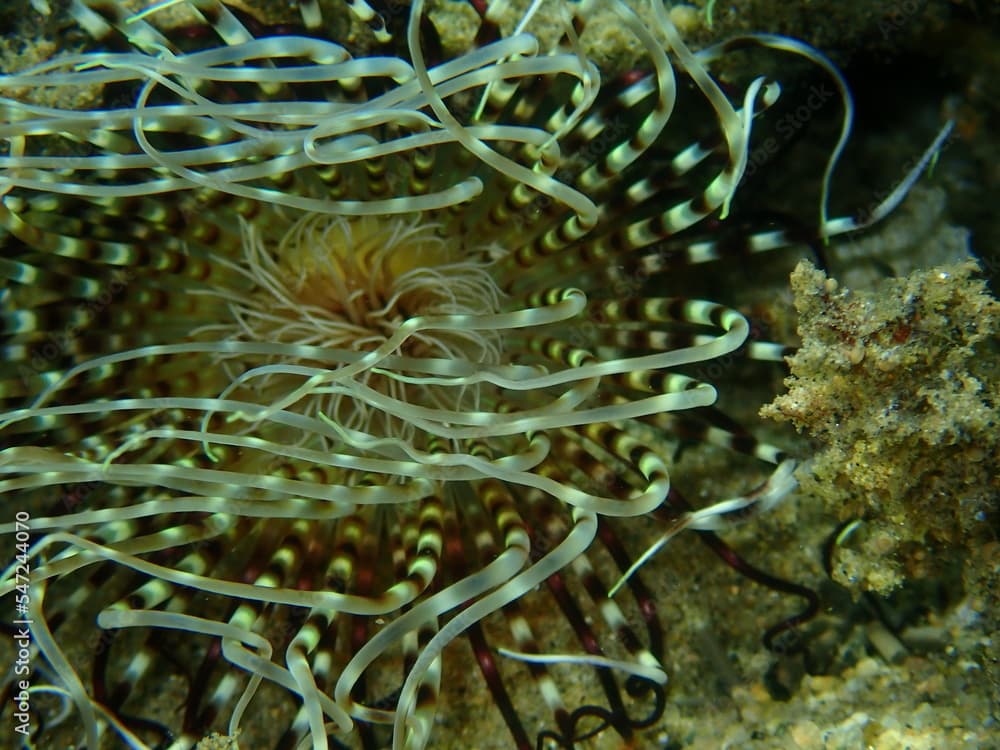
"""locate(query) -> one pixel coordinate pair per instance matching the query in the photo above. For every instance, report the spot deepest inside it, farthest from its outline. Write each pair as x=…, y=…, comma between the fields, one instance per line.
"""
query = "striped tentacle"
x=604, y=173
x=611, y=256
x=111, y=23
x=91, y=287
x=510, y=210
x=595, y=643
x=547, y=531
x=170, y=259
x=618, y=317
x=279, y=558
x=619, y=158
x=526, y=642
x=716, y=429
x=311, y=649
x=153, y=594
x=622, y=632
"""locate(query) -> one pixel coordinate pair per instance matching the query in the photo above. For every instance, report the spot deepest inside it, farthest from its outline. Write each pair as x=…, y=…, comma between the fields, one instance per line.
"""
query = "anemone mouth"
x=336, y=283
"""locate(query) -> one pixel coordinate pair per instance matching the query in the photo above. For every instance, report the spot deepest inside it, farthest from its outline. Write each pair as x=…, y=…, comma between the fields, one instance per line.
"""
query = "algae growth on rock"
x=900, y=385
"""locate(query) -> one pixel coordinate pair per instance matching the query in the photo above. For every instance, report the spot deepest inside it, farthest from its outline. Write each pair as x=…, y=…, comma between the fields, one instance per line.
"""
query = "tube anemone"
x=352, y=354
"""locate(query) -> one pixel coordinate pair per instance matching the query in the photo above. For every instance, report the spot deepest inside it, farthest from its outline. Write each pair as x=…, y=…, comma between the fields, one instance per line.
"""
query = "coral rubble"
x=900, y=385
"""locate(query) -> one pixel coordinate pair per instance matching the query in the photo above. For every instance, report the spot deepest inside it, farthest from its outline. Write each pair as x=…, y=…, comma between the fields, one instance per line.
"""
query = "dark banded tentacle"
x=169, y=259
x=498, y=690
x=148, y=659
x=366, y=14
x=112, y=23
x=312, y=14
